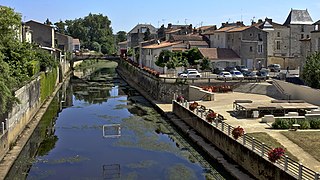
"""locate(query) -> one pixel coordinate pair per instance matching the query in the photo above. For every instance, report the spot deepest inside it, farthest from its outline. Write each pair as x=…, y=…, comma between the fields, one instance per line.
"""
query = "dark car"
x=241, y=68
x=230, y=68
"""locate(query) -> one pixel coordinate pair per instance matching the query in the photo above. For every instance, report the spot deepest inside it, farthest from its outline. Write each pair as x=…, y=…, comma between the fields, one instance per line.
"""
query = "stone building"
x=136, y=35
x=164, y=34
x=42, y=34
x=64, y=42
x=301, y=25
x=248, y=42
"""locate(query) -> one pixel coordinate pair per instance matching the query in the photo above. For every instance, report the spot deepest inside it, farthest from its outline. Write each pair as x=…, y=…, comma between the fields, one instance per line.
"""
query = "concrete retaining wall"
x=197, y=93
x=157, y=89
x=249, y=160
x=305, y=93
x=21, y=114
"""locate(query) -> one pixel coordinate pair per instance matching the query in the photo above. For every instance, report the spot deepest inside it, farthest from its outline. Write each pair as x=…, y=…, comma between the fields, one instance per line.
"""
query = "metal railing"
x=298, y=170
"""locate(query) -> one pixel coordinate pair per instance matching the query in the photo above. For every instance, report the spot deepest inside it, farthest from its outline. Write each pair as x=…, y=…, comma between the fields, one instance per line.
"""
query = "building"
x=220, y=57
x=122, y=47
x=64, y=42
x=76, y=45
x=42, y=34
x=164, y=34
x=248, y=42
x=150, y=53
x=278, y=41
x=26, y=33
x=301, y=25
x=137, y=34
x=204, y=29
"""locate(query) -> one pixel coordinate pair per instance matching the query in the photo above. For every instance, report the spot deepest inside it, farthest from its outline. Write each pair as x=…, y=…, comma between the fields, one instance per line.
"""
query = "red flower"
x=237, y=132
x=275, y=154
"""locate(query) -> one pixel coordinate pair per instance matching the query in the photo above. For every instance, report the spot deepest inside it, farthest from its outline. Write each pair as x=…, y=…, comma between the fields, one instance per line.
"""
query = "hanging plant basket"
x=211, y=116
x=180, y=99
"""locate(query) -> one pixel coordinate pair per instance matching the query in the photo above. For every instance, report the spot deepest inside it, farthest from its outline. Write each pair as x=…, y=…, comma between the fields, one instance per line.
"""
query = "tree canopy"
x=121, y=36
x=19, y=61
x=311, y=70
x=93, y=29
x=179, y=59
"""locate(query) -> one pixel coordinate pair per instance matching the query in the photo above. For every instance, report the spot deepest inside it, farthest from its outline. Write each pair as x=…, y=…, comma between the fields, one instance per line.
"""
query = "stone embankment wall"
x=31, y=97
x=157, y=89
x=249, y=160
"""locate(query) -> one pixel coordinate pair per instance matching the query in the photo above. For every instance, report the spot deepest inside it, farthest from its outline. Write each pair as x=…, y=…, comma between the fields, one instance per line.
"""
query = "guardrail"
x=208, y=79
x=298, y=170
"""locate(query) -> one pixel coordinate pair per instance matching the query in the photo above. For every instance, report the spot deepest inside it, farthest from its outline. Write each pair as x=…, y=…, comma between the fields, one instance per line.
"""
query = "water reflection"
x=72, y=144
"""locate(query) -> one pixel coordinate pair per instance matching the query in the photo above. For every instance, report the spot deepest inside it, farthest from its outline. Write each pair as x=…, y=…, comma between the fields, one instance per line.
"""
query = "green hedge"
x=304, y=124
x=33, y=68
x=47, y=83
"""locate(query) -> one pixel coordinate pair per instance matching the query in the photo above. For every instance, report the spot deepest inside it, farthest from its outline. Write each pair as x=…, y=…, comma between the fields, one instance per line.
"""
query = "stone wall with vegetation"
x=156, y=88
x=31, y=97
x=249, y=160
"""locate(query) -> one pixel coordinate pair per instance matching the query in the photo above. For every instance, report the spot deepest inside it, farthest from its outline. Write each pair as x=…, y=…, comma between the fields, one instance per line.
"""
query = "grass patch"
x=269, y=141
x=308, y=141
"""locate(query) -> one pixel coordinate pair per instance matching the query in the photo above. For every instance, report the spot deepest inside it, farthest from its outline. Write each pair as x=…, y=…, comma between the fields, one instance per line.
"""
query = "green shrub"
x=315, y=123
x=48, y=82
x=283, y=123
x=304, y=124
x=33, y=68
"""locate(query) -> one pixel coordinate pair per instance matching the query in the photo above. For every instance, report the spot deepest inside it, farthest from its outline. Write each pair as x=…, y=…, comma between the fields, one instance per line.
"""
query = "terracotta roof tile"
x=187, y=37
x=218, y=53
x=198, y=43
x=161, y=45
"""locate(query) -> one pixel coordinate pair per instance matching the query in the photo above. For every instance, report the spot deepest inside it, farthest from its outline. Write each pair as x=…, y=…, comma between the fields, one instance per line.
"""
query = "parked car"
x=217, y=70
x=236, y=74
x=186, y=71
x=225, y=75
x=250, y=75
x=274, y=67
x=263, y=74
x=230, y=68
x=242, y=68
x=190, y=73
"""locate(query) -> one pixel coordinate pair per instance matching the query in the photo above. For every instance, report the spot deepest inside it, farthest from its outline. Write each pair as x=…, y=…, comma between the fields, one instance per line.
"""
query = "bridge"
x=83, y=57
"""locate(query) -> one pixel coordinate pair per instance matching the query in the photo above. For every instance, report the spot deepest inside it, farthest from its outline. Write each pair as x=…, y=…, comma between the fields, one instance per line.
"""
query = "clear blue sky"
x=125, y=14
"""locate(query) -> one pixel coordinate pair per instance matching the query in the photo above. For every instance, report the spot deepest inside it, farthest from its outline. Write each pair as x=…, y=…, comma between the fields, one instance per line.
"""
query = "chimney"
x=169, y=26
x=239, y=23
x=252, y=22
x=260, y=21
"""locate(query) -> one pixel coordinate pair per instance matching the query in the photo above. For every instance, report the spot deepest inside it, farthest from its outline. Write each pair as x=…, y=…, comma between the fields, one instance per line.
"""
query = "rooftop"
x=218, y=53
x=298, y=17
x=161, y=45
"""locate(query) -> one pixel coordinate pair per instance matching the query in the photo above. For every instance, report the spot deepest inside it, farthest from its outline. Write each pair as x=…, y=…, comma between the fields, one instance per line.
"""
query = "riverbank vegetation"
x=19, y=61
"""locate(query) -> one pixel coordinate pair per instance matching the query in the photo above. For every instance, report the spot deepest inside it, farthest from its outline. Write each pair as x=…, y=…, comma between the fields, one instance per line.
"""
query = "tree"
x=311, y=70
x=121, y=36
x=193, y=55
x=147, y=35
x=93, y=28
x=205, y=64
x=60, y=27
x=163, y=58
x=10, y=25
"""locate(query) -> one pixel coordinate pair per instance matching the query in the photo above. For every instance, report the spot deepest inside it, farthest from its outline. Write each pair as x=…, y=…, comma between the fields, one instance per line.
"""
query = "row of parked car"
x=237, y=72
x=241, y=72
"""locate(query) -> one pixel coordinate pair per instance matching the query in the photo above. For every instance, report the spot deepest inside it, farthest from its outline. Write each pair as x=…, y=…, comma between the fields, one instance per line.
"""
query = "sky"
x=126, y=14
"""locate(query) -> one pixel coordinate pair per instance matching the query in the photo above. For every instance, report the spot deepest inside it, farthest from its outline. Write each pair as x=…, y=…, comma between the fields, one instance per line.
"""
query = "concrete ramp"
x=260, y=88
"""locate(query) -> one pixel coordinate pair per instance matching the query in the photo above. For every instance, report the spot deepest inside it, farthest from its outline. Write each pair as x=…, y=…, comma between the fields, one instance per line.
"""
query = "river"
x=98, y=127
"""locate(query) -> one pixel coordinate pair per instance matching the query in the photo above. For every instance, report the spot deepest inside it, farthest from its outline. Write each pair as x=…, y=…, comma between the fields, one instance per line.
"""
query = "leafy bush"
x=315, y=123
x=283, y=123
x=304, y=124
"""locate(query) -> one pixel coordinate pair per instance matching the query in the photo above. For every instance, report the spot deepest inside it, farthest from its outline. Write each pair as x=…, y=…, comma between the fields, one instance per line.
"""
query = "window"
x=260, y=48
x=251, y=49
x=278, y=34
x=143, y=29
x=308, y=36
x=251, y=34
x=259, y=37
x=302, y=36
x=278, y=45
x=302, y=28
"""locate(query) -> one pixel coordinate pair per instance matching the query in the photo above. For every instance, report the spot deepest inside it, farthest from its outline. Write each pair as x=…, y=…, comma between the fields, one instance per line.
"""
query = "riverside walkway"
x=223, y=104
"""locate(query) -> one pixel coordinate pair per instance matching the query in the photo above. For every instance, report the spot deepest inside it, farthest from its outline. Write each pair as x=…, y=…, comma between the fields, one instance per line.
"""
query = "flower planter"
x=237, y=132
